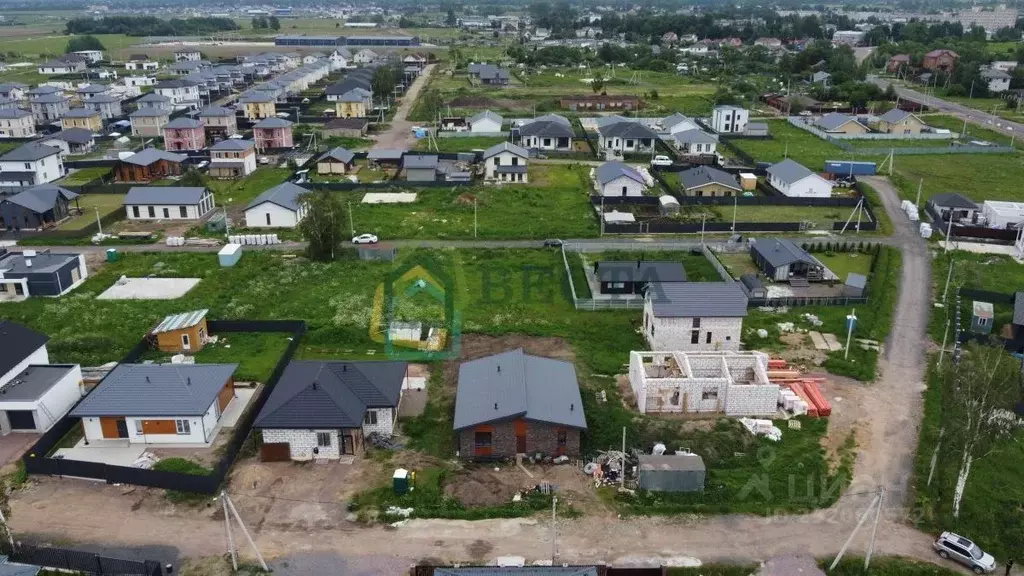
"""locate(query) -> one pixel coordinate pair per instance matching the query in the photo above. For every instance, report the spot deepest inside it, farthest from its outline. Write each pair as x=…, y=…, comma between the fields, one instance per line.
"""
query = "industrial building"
x=333, y=41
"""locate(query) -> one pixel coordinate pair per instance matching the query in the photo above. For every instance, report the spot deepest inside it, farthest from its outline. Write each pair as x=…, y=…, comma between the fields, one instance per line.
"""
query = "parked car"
x=552, y=243
x=954, y=547
x=263, y=160
x=365, y=239
x=661, y=161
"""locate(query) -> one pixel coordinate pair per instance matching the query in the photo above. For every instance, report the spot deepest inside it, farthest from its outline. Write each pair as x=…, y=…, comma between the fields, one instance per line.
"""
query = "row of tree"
x=265, y=23
x=150, y=26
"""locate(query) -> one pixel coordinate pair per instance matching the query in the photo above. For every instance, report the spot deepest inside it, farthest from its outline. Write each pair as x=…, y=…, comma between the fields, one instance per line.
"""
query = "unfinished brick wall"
x=540, y=437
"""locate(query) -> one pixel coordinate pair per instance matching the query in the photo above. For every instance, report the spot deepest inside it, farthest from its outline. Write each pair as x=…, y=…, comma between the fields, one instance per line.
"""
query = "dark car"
x=552, y=243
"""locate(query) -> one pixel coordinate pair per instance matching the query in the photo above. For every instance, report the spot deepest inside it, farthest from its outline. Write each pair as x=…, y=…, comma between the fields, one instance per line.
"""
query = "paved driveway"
x=14, y=445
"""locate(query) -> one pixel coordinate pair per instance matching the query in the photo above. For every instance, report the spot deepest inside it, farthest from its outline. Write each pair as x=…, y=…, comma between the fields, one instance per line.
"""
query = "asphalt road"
x=975, y=116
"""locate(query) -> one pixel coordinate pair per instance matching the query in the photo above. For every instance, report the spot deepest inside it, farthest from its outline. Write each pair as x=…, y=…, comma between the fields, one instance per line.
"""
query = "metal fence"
x=37, y=460
x=904, y=150
x=80, y=562
x=719, y=267
x=986, y=296
x=791, y=301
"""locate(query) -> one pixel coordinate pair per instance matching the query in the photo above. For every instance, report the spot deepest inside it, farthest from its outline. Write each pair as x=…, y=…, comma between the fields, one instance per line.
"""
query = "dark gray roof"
x=102, y=99
x=778, y=252
x=856, y=280
x=41, y=198
x=508, y=169
x=611, y=170
x=894, y=115
x=751, y=281
x=183, y=122
x=213, y=111
x=74, y=136
x=256, y=98
x=694, y=137
x=16, y=569
x=517, y=571
x=506, y=147
x=285, y=195
x=486, y=114
x=151, y=155
x=165, y=195
x=420, y=161
x=833, y=120
x=180, y=83
x=318, y=394
x=698, y=299
x=627, y=130
x=93, y=89
x=953, y=200
x=49, y=98
x=80, y=113
x=13, y=113
x=789, y=171
x=30, y=152
x=268, y=123
x=233, y=144
x=44, y=90
x=154, y=97
x=340, y=154
x=517, y=385
x=546, y=129
x=149, y=111
x=17, y=342
x=704, y=175
x=31, y=383
x=640, y=271
x=156, y=390
x=385, y=154
x=676, y=462
x=14, y=262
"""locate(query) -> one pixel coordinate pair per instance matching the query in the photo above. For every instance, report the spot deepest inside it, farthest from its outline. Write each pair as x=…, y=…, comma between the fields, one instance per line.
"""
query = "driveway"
x=14, y=445
x=400, y=134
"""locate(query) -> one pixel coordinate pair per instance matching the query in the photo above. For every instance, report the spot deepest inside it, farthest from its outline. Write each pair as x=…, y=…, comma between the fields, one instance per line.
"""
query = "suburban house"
x=278, y=207
x=335, y=161
x=185, y=332
x=90, y=56
x=997, y=80
x=158, y=404
x=598, y=102
x=626, y=137
x=961, y=209
x=823, y=78
x=485, y=122
x=184, y=134
x=347, y=127
x=897, y=62
x=420, y=167
x=141, y=62
x=415, y=59
x=258, y=105
x=168, y=202
x=796, y=181
x=633, y=277
x=940, y=59
x=86, y=118
x=16, y=123
x=548, y=132
x=36, y=208
x=898, y=121
x=187, y=55
x=325, y=409
x=695, y=143
x=506, y=162
x=31, y=164
x=618, y=179
x=677, y=123
x=13, y=90
x=154, y=100
x=709, y=181
x=232, y=158
x=31, y=273
x=6, y=103
x=356, y=103
x=139, y=81
x=784, y=261
x=489, y=74
x=48, y=108
x=516, y=403
x=365, y=56
x=182, y=93
x=271, y=133
x=148, y=165
x=62, y=65
x=149, y=121
x=34, y=394
x=72, y=141
x=219, y=122
x=107, y=105
x=728, y=119
x=90, y=91
x=836, y=123
x=691, y=316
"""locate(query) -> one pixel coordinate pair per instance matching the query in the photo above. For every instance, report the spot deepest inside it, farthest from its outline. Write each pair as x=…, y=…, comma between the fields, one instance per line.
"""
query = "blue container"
x=847, y=168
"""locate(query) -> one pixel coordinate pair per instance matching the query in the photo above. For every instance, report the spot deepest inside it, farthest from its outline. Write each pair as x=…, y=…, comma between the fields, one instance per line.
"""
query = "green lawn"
x=973, y=131
x=792, y=142
x=84, y=176
x=844, y=263
x=353, y=144
x=45, y=43
x=698, y=268
x=990, y=272
x=256, y=353
x=977, y=176
x=89, y=203
x=466, y=144
x=243, y=191
x=738, y=264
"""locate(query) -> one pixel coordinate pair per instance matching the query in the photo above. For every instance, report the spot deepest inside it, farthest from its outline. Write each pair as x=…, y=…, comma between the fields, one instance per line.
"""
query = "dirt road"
x=66, y=510
x=400, y=134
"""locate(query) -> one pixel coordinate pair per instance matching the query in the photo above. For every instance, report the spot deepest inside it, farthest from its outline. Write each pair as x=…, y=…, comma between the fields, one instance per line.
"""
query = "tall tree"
x=274, y=23
x=432, y=103
x=87, y=42
x=323, y=225
x=450, y=18
x=383, y=81
x=597, y=84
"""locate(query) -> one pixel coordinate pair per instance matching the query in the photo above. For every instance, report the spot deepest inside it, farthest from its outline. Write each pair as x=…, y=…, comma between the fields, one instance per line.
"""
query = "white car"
x=365, y=239
x=661, y=161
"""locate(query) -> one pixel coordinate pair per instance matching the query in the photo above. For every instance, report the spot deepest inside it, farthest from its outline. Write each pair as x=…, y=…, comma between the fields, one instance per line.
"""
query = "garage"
x=21, y=419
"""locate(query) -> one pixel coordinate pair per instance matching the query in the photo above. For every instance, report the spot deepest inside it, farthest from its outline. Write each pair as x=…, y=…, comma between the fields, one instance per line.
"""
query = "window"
x=370, y=418
x=624, y=189
x=167, y=212
x=268, y=218
x=696, y=322
x=709, y=395
x=183, y=211
x=982, y=321
x=629, y=143
x=135, y=211
x=618, y=285
x=138, y=427
x=152, y=212
x=185, y=342
x=695, y=337
x=563, y=438
x=323, y=439
x=547, y=142
x=497, y=160
x=482, y=439
x=28, y=166
x=515, y=161
x=182, y=427
x=708, y=341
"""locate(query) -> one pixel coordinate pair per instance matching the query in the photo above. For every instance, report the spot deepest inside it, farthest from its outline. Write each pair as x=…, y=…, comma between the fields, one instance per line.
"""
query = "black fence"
x=80, y=562
x=987, y=296
x=390, y=184
x=581, y=132
x=736, y=151
x=980, y=233
x=37, y=460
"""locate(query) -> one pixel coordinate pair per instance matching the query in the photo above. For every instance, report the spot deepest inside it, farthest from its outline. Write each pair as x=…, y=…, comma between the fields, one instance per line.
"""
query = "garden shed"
x=671, y=472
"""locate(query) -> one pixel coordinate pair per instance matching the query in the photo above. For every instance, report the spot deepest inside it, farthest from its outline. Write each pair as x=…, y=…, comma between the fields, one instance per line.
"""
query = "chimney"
x=314, y=385
x=188, y=381
x=499, y=367
x=495, y=405
x=572, y=407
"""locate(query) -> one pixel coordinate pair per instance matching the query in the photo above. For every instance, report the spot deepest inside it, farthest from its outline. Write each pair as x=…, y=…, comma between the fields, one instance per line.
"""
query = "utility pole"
x=949, y=230
x=851, y=320
x=874, y=529
x=918, y=201
x=227, y=529
x=248, y=537
x=703, y=219
x=474, y=217
x=99, y=224
x=554, y=530
x=351, y=225
x=735, y=203
x=622, y=474
x=860, y=522
x=949, y=276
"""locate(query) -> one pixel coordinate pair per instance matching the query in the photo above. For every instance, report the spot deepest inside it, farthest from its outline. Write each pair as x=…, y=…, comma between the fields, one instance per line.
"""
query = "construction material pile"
x=798, y=394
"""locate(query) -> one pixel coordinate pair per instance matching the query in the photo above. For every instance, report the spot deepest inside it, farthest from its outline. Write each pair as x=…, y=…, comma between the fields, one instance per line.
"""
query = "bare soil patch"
x=479, y=486
x=800, y=352
x=850, y=413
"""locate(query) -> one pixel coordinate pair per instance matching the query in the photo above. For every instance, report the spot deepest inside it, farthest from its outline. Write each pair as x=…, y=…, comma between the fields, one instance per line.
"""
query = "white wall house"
x=278, y=207
x=796, y=181
x=997, y=80
x=618, y=179
x=31, y=164
x=180, y=92
x=729, y=119
x=37, y=354
x=187, y=56
x=506, y=162
x=694, y=315
x=139, y=81
x=168, y=203
x=92, y=56
x=16, y=123
x=485, y=122
x=38, y=396
x=144, y=65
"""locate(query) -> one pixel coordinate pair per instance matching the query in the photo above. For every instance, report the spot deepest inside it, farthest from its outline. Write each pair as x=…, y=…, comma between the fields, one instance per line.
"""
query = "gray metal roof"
x=953, y=200
x=704, y=175
x=698, y=299
x=506, y=147
x=993, y=74
x=546, y=129
x=833, y=121
x=156, y=390
x=41, y=198
x=318, y=394
x=677, y=462
x=153, y=97
x=486, y=114
x=895, y=115
x=165, y=195
x=789, y=171
x=16, y=569
x=50, y=98
x=179, y=83
x=31, y=383
x=694, y=137
x=639, y=271
x=15, y=262
x=30, y=152
x=385, y=154
x=151, y=155
x=13, y=113
x=17, y=342
x=256, y=98
x=43, y=90
x=233, y=144
x=93, y=89
x=80, y=113
x=102, y=99
x=215, y=111
x=627, y=130
x=612, y=170
x=855, y=280
x=269, y=123
x=517, y=571
x=507, y=169
x=677, y=118
x=182, y=123
x=149, y=112
x=340, y=154
x=779, y=252
x=355, y=95
x=285, y=195
x=180, y=321
x=517, y=385
x=420, y=161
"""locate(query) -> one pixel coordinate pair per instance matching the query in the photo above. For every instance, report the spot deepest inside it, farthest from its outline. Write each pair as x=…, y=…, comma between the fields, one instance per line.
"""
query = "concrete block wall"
x=752, y=400
x=385, y=422
x=302, y=443
x=708, y=384
x=676, y=334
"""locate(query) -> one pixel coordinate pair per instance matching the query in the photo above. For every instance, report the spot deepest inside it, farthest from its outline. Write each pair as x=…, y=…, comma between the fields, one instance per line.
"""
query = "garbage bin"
x=113, y=255
x=400, y=481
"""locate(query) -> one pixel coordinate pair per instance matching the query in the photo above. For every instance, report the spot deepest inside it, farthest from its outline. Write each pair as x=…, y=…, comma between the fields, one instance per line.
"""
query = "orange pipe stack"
x=823, y=405
x=808, y=389
x=798, y=388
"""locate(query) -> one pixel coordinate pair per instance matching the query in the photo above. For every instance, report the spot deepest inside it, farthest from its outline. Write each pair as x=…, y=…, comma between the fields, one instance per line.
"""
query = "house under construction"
x=733, y=383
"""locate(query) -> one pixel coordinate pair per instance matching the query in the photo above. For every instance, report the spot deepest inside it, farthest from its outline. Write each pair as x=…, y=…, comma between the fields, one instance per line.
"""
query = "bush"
x=182, y=466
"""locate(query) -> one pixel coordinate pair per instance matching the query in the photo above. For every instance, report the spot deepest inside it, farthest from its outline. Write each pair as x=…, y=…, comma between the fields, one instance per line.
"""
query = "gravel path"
x=400, y=134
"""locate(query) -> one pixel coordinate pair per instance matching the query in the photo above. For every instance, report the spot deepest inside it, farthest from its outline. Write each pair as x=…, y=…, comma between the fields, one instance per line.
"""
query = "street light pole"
x=851, y=319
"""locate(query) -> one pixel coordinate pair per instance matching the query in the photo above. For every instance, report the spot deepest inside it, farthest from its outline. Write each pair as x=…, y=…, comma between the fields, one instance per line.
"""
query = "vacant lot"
x=465, y=144
x=91, y=204
x=242, y=191
x=977, y=176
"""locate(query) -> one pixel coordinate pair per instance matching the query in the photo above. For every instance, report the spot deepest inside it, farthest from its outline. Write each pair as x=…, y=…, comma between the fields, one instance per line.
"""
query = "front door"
x=122, y=428
x=347, y=444
x=520, y=428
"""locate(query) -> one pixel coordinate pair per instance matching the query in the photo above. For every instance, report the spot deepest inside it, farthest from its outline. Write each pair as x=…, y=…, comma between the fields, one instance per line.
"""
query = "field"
x=84, y=176
x=977, y=176
x=973, y=131
x=243, y=191
x=255, y=352
x=457, y=144
x=791, y=142
x=90, y=203
x=45, y=43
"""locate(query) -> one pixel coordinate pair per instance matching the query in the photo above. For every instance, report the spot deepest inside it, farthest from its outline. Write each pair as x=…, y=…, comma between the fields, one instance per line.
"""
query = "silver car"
x=954, y=547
